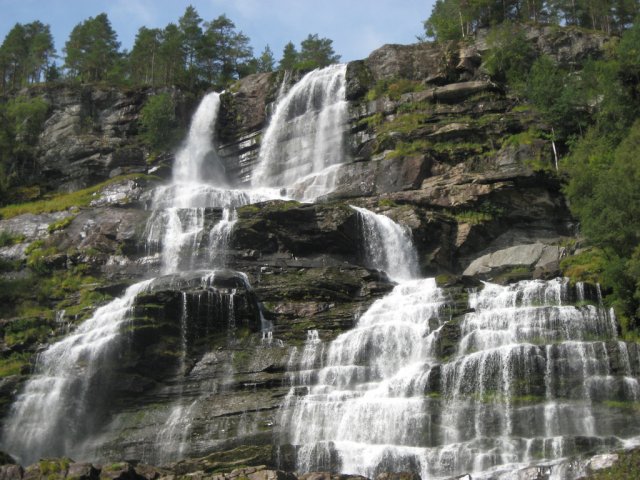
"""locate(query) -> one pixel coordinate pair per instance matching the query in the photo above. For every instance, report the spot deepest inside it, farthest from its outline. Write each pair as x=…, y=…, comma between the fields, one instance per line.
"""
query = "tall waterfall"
x=56, y=412
x=534, y=379
x=303, y=145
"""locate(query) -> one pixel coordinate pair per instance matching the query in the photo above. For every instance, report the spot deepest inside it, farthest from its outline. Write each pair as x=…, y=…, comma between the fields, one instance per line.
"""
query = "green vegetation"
x=315, y=52
x=9, y=238
x=393, y=88
x=60, y=224
x=21, y=121
x=25, y=55
x=27, y=331
x=405, y=149
x=14, y=364
x=91, y=53
x=191, y=53
x=159, y=123
x=625, y=468
x=63, y=201
x=510, y=55
x=456, y=19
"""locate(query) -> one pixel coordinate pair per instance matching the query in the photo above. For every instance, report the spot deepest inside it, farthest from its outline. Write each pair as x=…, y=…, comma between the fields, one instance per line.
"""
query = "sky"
x=357, y=27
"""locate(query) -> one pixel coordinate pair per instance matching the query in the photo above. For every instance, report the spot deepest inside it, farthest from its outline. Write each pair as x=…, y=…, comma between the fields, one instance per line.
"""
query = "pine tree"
x=317, y=52
x=92, y=49
x=144, y=57
x=266, y=61
x=290, y=57
x=192, y=37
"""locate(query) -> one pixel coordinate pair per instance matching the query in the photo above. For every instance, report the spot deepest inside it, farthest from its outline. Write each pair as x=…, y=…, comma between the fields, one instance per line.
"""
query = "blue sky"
x=356, y=26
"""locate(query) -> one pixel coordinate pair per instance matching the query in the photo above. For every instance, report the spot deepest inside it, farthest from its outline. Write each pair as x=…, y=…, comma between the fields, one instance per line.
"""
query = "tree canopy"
x=455, y=19
x=25, y=55
x=92, y=49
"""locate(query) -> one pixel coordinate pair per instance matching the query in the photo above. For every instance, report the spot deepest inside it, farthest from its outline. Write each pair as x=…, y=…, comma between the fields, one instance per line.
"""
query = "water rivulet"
x=533, y=379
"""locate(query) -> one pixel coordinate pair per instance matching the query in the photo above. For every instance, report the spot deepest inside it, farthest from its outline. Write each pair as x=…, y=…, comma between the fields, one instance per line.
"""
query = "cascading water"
x=388, y=245
x=302, y=148
x=53, y=413
x=534, y=379
x=365, y=410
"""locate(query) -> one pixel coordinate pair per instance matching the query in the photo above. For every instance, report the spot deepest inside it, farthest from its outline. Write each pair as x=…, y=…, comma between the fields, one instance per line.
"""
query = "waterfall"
x=58, y=409
x=302, y=148
x=197, y=162
x=534, y=378
x=54, y=411
x=388, y=245
x=364, y=409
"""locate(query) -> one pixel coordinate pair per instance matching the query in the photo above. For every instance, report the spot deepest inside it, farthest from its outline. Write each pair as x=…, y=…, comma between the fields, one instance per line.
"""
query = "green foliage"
x=394, y=88
x=63, y=201
x=266, y=61
x=21, y=121
x=484, y=212
x=316, y=52
x=472, y=217
x=60, y=224
x=406, y=149
x=446, y=21
x=92, y=49
x=626, y=467
x=224, y=53
x=25, y=55
x=26, y=331
x=558, y=95
x=158, y=120
x=8, y=238
x=146, y=64
x=454, y=19
x=13, y=364
x=289, y=58
x=588, y=266
x=605, y=194
x=510, y=55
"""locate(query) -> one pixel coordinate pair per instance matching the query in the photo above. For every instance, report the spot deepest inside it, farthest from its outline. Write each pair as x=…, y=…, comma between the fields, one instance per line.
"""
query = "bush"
x=510, y=56
x=158, y=120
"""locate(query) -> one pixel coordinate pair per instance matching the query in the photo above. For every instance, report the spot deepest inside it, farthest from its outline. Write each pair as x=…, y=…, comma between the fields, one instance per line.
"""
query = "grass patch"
x=9, y=238
x=60, y=224
x=387, y=203
x=405, y=149
x=13, y=364
x=523, y=138
x=63, y=201
x=394, y=88
x=26, y=331
x=472, y=217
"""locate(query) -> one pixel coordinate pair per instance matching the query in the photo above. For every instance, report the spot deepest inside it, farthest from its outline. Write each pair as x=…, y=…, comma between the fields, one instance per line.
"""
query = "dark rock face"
x=451, y=159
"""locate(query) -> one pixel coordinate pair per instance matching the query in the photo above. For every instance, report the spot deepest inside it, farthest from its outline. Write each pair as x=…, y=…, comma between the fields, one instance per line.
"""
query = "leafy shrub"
x=158, y=120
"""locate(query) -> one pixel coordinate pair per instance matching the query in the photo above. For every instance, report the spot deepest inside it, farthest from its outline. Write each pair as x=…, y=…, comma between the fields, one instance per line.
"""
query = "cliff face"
x=432, y=144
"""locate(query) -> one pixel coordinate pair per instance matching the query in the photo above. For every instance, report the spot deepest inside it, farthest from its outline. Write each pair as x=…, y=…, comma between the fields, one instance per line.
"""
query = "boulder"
x=525, y=258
